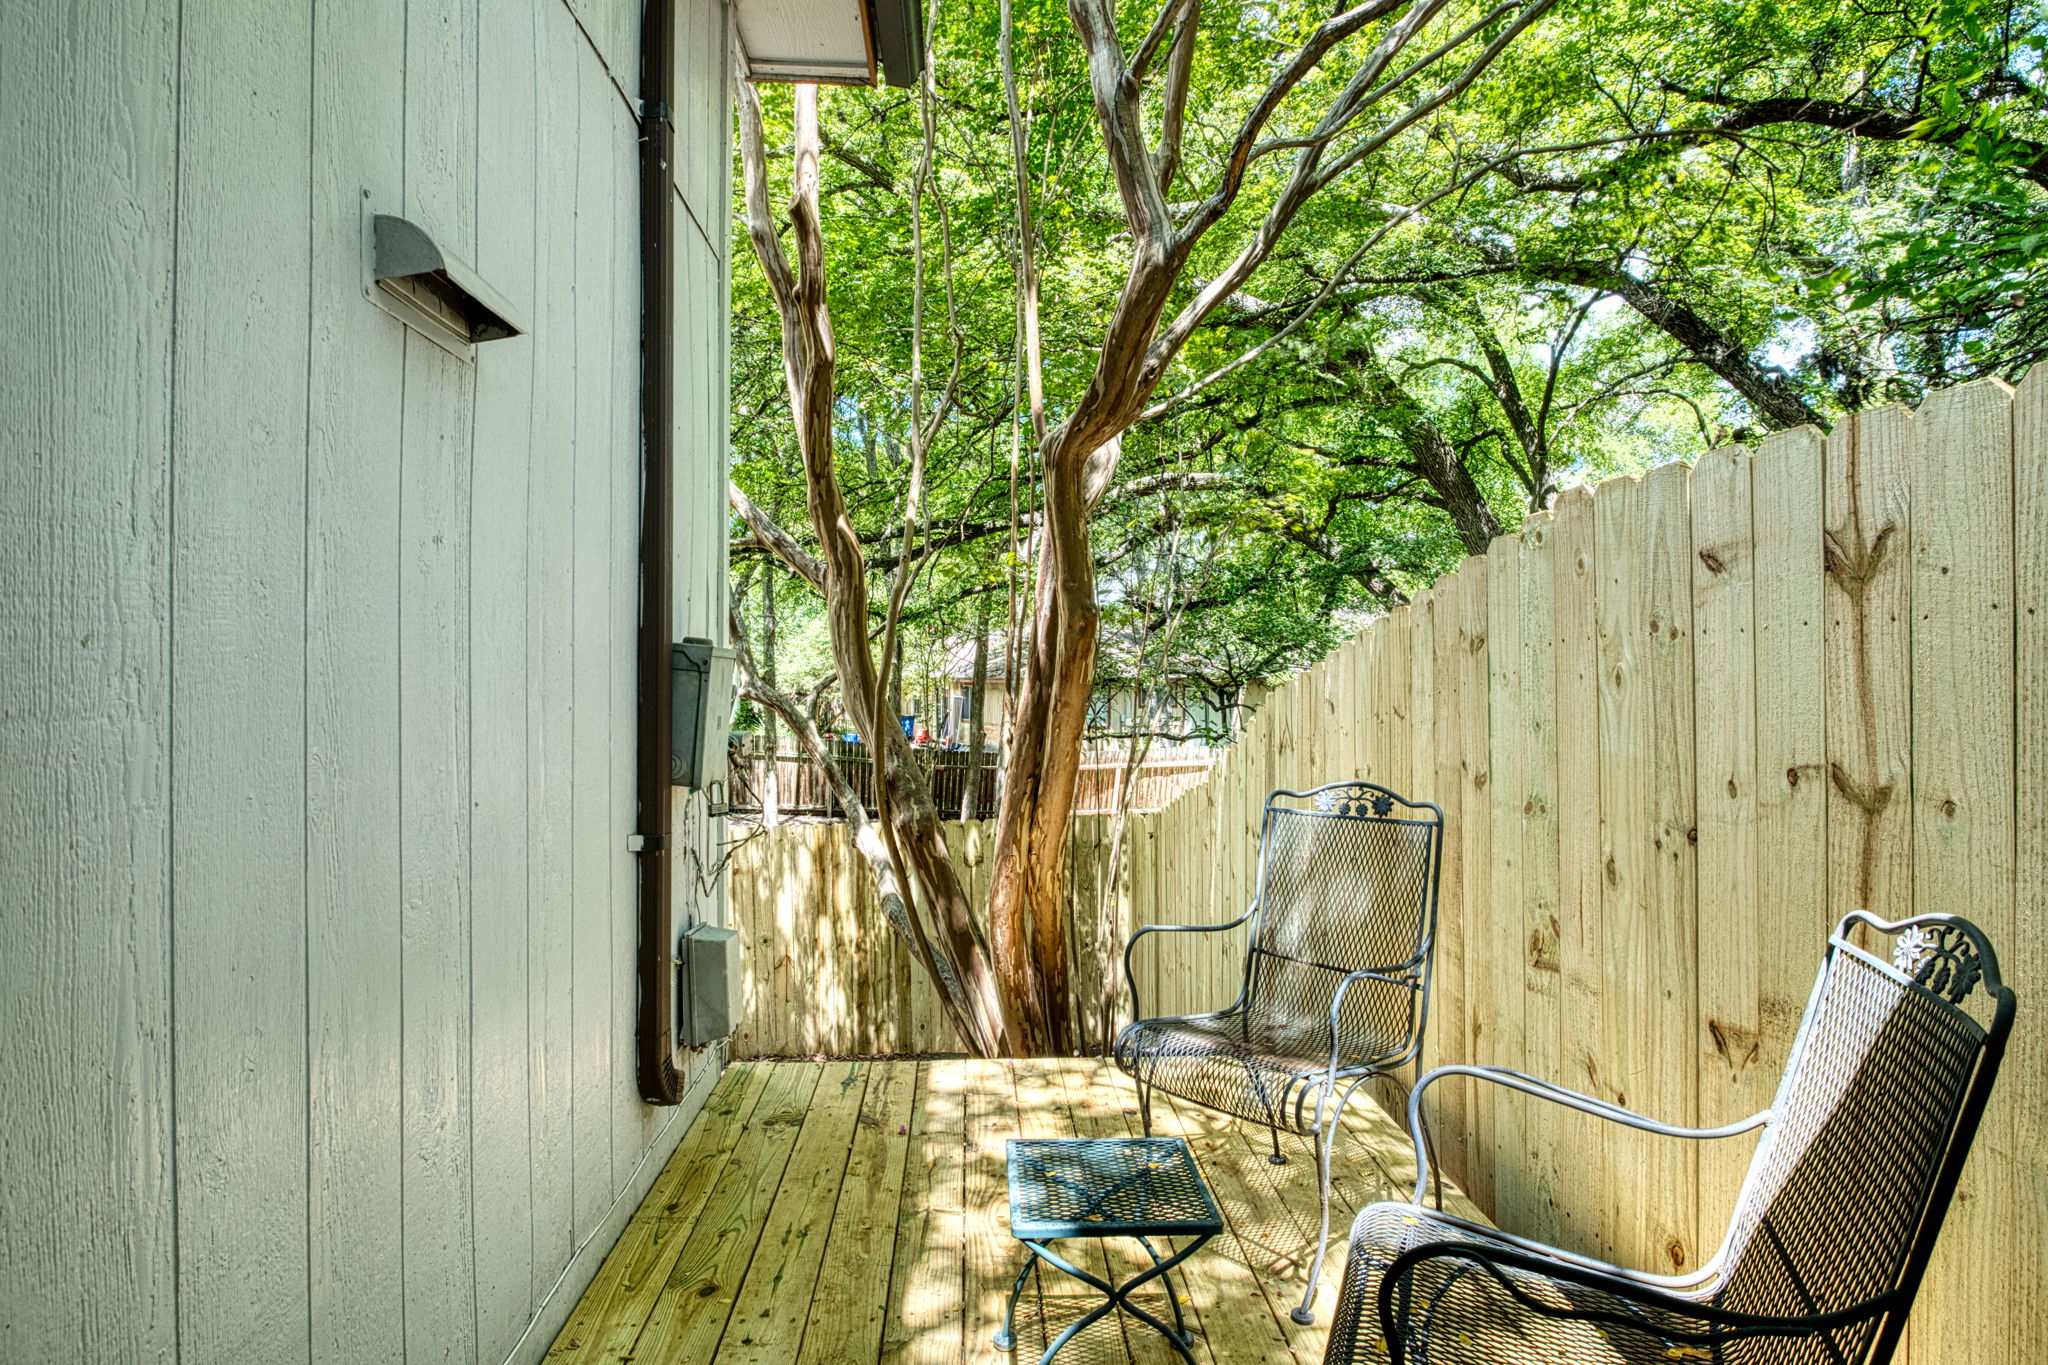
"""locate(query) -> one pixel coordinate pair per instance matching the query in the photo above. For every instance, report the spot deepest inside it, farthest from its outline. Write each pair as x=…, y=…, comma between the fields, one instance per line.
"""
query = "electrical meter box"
x=701, y=699
x=708, y=997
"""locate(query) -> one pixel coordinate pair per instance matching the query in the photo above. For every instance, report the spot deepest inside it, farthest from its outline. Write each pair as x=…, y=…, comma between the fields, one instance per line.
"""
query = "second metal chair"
x=1335, y=986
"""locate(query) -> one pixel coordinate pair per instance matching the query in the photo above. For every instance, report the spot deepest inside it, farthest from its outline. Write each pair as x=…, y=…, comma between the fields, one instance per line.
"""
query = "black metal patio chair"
x=1336, y=976
x=1853, y=1173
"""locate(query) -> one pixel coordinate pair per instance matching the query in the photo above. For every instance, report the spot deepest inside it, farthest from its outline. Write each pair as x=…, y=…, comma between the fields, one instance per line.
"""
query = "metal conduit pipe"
x=660, y=1079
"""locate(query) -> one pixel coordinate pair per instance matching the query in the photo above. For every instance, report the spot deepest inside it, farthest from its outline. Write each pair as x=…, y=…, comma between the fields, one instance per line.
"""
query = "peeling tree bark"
x=916, y=844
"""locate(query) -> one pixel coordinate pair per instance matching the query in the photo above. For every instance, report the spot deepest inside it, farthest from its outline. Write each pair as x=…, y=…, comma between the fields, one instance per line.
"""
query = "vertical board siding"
x=353, y=818
x=318, y=767
x=237, y=687
x=550, y=726
x=593, y=836
x=86, y=1164
x=435, y=698
x=434, y=841
x=500, y=1138
x=1678, y=726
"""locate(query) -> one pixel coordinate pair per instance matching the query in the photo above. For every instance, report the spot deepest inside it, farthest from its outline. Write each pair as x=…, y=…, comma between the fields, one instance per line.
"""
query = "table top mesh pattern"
x=1107, y=1187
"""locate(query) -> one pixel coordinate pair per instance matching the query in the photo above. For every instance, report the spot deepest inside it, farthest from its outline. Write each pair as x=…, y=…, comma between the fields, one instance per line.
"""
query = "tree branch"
x=1770, y=392
x=1862, y=120
x=1148, y=47
x=772, y=538
x=1174, y=100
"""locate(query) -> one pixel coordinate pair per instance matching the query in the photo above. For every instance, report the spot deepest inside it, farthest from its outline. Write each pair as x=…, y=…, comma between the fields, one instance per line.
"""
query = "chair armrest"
x=1720, y=1326
x=1131, y=980
x=1556, y=1094
x=1393, y=974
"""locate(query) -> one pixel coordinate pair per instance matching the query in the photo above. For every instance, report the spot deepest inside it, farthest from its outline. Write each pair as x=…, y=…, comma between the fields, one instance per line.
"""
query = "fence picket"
x=1494, y=966
x=1533, y=713
x=1962, y=770
x=2021, y=1277
x=1723, y=614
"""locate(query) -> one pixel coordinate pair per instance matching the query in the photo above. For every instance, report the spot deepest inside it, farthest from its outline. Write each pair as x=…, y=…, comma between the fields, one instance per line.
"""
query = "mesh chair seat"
x=1221, y=1062
x=1461, y=1313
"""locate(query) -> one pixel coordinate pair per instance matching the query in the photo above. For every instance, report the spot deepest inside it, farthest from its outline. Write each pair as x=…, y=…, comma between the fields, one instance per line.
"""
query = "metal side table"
x=1107, y=1187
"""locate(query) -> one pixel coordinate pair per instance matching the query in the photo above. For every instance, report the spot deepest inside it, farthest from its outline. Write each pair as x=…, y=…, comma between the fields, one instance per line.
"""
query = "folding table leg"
x=1006, y=1336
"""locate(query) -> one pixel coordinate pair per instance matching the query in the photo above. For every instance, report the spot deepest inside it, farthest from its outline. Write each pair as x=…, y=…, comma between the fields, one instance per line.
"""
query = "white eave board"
x=806, y=40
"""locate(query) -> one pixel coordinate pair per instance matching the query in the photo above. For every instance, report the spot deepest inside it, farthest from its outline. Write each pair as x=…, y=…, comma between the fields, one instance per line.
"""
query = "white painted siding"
x=317, y=690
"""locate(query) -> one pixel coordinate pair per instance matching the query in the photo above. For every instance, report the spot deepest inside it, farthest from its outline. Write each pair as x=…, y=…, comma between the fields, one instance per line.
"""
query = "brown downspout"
x=660, y=1083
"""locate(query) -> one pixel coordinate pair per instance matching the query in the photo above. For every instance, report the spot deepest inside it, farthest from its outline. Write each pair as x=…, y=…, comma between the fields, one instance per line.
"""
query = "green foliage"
x=1694, y=153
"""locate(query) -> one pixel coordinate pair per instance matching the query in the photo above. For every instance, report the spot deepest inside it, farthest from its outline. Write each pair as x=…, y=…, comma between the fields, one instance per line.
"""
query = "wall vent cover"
x=414, y=279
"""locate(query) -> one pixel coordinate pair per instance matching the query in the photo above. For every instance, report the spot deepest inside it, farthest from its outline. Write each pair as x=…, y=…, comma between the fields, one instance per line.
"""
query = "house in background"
x=341, y=869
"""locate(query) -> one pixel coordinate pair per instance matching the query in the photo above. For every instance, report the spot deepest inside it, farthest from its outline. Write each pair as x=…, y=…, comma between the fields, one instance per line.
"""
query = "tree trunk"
x=1027, y=893
x=911, y=823
x=977, y=698
x=771, y=786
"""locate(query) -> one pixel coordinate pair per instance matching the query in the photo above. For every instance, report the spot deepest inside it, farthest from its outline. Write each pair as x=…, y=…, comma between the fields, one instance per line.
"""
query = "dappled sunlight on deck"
x=844, y=1212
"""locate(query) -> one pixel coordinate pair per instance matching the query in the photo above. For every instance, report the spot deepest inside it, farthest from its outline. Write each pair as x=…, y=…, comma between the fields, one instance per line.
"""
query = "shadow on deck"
x=847, y=1212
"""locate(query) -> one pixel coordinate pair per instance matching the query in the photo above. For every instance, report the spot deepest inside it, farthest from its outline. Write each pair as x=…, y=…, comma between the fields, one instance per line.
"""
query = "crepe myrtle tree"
x=1337, y=92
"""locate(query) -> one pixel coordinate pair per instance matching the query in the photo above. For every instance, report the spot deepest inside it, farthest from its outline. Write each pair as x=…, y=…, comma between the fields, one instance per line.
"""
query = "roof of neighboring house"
x=960, y=660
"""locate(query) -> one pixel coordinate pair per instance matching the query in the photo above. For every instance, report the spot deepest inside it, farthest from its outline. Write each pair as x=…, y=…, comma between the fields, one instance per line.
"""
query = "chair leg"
x=1145, y=1107
x=1324, y=1142
x=1279, y=1158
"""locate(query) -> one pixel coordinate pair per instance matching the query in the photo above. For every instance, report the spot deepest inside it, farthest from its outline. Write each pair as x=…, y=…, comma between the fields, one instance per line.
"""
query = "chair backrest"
x=1348, y=879
x=1880, y=1099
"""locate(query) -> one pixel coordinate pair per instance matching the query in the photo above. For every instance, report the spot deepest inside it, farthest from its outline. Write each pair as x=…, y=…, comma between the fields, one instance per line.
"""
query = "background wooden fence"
x=804, y=791
x=1679, y=725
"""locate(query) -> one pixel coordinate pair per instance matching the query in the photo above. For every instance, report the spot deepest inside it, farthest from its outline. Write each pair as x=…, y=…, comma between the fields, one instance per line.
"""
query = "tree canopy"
x=1650, y=229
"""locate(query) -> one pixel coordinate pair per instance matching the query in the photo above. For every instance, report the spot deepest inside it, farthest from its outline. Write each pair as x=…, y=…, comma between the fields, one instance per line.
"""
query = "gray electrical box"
x=701, y=696
x=708, y=996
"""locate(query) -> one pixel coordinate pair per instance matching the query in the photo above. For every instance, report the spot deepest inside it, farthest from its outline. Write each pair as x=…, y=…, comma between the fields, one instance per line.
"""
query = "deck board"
x=928, y=1271
x=770, y=1307
x=691, y=1309
x=855, y=1211
x=853, y=1278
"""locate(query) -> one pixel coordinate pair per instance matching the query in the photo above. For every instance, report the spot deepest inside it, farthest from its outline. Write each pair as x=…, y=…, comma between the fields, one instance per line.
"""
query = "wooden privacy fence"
x=1155, y=784
x=1678, y=726
x=826, y=975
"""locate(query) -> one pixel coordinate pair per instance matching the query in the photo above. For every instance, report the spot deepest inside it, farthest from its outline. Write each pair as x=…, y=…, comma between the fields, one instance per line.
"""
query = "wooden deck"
x=846, y=1212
